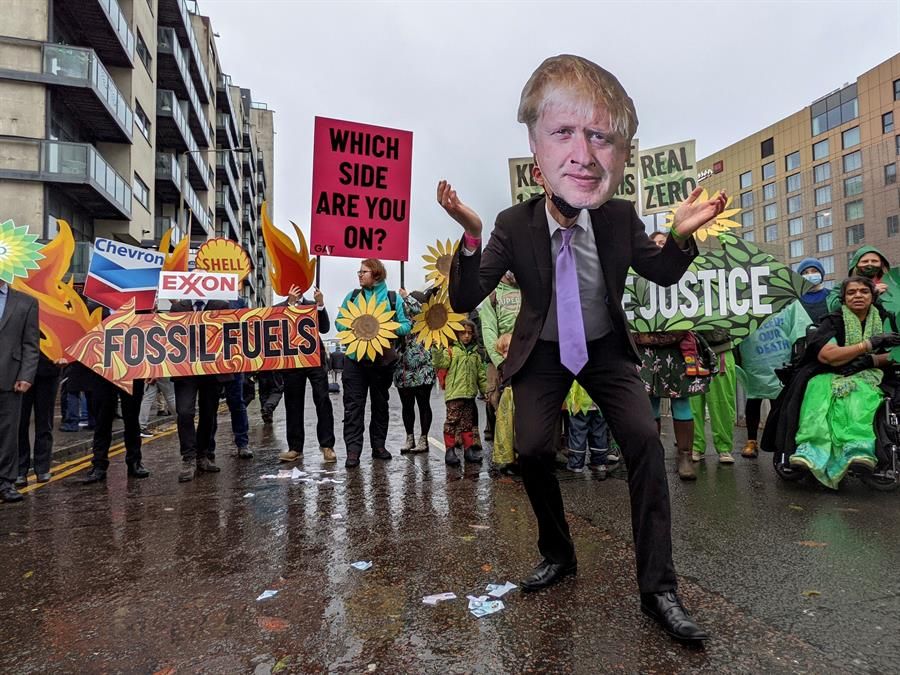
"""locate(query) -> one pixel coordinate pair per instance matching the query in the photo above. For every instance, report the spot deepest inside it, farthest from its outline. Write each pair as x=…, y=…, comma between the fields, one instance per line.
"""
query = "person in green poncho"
x=867, y=262
x=839, y=406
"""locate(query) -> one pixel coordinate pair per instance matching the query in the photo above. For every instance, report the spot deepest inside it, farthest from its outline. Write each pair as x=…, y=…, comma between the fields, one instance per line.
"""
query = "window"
x=823, y=195
x=853, y=210
x=768, y=192
x=887, y=122
x=853, y=186
x=828, y=264
x=794, y=204
x=850, y=138
x=746, y=200
x=893, y=226
x=768, y=171
x=793, y=182
x=747, y=219
x=820, y=150
x=853, y=161
x=797, y=248
x=141, y=121
x=795, y=226
x=821, y=172
x=746, y=179
x=143, y=53
x=834, y=110
x=897, y=90
x=750, y=236
x=792, y=161
x=771, y=232
x=823, y=242
x=855, y=234
x=141, y=192
x=770, y=212
x=823, y=219
x=767, y=148
x=890, y=174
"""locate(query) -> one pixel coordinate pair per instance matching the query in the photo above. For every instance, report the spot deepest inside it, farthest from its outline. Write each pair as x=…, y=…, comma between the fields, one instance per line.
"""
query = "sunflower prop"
x=723, y=222
x=19, y=251
x=437, y=323
x=369, y=327
x=438, y=261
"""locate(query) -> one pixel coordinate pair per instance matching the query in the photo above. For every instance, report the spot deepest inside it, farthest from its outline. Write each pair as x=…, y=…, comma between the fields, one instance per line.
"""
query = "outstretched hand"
x=692, y=215
x=462, y=214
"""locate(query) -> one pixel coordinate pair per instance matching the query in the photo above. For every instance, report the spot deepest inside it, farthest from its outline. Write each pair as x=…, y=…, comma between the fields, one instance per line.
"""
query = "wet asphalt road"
x=158, y=577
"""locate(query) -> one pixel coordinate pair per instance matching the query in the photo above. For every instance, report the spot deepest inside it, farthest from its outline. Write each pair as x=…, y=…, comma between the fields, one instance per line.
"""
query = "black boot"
x=95, y=475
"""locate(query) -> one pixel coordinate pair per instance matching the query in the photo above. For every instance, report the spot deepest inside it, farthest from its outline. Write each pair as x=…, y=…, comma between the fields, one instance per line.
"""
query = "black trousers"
x=10, y=408
x=410, y=397
x=271, y=389
x=105, y=399
x=197, y=395
x=360, y=381
x=40, y=401
x=611, y=378
x=295, y=405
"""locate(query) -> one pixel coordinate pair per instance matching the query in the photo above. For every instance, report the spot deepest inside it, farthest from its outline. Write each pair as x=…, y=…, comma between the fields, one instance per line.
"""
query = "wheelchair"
x=886, y=475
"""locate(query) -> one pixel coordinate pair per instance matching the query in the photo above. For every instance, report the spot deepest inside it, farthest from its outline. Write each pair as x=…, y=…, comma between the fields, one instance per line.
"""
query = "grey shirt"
x=591, y=284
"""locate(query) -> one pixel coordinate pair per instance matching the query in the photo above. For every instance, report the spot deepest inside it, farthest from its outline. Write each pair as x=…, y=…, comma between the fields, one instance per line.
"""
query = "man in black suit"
x=294, y=380
x=570, y=253
x=197, y=396
x=19, y=349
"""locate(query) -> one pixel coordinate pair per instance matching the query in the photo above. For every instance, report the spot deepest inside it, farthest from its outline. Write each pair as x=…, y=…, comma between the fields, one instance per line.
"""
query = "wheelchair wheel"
x=882, y=481
x=785, y=471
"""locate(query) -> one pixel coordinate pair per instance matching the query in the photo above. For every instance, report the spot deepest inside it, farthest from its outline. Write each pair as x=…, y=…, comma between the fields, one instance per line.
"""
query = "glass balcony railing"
x=168, y=104
x=167, y=167
x=197, y=70
x=81, y=258
x=161, y=225
x=193, y=202
x=77, y=63
x=223, y=161
x=223, y=202
x=119, y=23
x=168, y=44
x=82, y=161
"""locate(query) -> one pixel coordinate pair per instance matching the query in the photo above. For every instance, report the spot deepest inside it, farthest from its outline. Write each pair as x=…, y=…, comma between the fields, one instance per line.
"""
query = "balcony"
x=172, y=129
x=225, y=211
x=224, y=134
x=101, y=25
x=198, y=219
x=173, y=73
x=224, y=173
x=174, y=13
x=161, y=225
x=90, y=90
x=76, y=169
x=169, y=178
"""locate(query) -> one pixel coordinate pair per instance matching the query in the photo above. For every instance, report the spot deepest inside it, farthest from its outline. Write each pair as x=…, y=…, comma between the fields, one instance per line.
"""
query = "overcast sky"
x=452, y=73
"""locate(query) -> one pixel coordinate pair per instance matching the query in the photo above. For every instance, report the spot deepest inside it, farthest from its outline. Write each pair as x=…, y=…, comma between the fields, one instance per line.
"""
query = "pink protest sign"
x=360, y=192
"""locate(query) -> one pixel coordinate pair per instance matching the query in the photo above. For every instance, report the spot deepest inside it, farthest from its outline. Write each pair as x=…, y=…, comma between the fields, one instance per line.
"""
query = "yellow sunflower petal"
x=360, y=350
x=370, y=351
x=352, y=310
x=428, y=340
x=435, y=252
x=376, y=345
x=390, y=325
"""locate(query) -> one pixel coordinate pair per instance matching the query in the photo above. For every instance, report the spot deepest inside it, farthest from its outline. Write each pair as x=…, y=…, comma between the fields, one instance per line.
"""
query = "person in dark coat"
x=38, y=401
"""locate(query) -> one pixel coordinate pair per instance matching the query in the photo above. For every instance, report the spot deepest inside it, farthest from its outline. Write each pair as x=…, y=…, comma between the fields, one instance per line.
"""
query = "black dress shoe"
x=547, y=574
x=666, y=609
x=44, y=477
x=138, y=471
x=352, y=460
x=21, y=481
x=93, y=476
x=9, y=494
x=380, y=453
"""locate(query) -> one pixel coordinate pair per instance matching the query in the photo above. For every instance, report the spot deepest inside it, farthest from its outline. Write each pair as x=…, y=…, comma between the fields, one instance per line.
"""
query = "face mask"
x=814, y=278
x=870, y=271
x=565, y=209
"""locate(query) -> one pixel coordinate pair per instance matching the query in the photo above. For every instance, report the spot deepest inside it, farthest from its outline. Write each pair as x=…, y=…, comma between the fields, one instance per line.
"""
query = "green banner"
x=735, y=287
x=668, y=176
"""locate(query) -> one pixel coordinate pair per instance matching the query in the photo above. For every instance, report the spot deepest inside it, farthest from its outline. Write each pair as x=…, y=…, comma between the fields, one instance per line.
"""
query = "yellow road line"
x=85, y=461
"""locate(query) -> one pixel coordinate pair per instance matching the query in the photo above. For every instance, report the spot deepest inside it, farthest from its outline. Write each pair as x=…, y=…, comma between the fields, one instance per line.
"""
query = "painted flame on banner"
x=177, y=260
x=63, y=315
x=289, y=266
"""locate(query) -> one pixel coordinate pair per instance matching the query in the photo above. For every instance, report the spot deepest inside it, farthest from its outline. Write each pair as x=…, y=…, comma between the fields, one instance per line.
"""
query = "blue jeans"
x=73, y=412
x=588, y=430
x=234, y=397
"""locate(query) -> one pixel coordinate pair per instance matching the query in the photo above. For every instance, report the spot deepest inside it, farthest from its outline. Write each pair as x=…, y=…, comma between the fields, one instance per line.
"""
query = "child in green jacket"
x=466, y=377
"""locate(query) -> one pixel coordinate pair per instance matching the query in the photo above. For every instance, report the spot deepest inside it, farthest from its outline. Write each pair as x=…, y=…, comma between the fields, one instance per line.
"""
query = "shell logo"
x=223, y=256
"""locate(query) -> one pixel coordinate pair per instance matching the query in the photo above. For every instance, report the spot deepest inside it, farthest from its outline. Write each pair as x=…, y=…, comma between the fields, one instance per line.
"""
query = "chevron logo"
x=119, y=272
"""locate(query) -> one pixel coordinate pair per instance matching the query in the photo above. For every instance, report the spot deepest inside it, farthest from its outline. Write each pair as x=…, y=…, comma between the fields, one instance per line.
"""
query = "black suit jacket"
x=520, y=242
x=324, y=323
x=20, y=339
x=211, y=305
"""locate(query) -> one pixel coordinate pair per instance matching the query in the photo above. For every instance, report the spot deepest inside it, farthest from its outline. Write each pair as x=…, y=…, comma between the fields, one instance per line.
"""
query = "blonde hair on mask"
x=577, y=83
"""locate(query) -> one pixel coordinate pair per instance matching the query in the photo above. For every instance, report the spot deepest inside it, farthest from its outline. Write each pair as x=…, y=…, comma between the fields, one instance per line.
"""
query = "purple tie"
x=572, y=345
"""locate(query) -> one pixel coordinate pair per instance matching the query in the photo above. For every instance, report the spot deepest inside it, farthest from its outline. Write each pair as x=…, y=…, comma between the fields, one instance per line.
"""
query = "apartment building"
x=109, y=118
x=823, y=181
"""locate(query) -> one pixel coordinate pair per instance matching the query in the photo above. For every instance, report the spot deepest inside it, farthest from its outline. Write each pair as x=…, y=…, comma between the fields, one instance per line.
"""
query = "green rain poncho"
x=770, y=348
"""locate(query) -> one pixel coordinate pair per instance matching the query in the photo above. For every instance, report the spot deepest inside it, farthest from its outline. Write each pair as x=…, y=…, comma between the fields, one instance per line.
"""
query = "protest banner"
x=628, y=188
x=222, y=255
x=360, y=190
x=19, y=251
x=119, y=272
x=128, y=346
x=198, y=286
x=521, y=180
x=668, y=176
x=735, y=287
